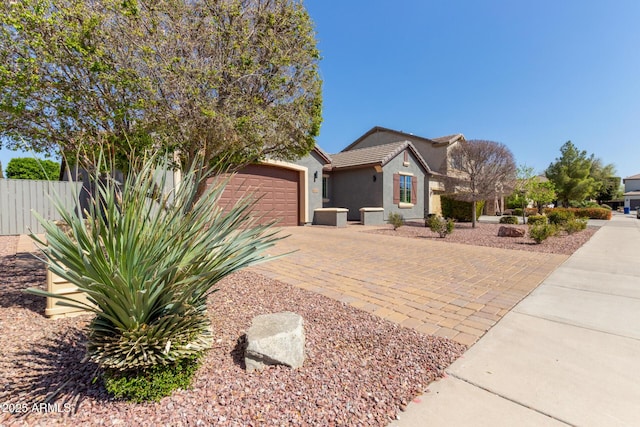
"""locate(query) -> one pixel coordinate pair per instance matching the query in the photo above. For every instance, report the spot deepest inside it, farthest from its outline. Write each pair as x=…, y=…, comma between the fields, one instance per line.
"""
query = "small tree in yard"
x=479, y=167
x=531, y=187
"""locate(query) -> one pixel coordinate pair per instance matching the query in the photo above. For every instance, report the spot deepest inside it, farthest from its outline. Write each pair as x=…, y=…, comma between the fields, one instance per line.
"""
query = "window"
x=325, y=187
x=405, y=189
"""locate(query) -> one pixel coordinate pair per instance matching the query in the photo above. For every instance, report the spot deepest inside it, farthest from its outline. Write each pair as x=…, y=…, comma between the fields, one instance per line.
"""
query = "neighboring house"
x=632, y=192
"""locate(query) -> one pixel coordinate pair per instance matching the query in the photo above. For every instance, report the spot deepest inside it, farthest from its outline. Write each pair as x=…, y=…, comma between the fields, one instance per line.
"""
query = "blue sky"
x=529, y=74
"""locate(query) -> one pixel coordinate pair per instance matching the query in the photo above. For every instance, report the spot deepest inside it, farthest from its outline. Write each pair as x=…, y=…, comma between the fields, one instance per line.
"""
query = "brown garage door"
x=277, y=187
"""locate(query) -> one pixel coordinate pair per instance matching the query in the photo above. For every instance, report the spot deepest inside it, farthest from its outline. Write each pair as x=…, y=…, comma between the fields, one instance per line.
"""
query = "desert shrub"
x=560, y=216
x=536, y=219
x=509, y=220
x=150, y=384
x=440, y=225
x=396, y=219
x=541, y=232
x=574, y=225
x=591, y=213
x=459, y=210
x=148, y=259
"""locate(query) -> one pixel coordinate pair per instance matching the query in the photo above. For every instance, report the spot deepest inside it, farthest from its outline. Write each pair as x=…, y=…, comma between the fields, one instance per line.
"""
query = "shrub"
x=560, y=216
x=459, y=210
x=509, y=220
x=574, y=225
x=591, y=213
x=536, y=219
x=148, y=259
x=150, y=384
x=396, y=219
x=517, y=211
x=440, y=225
x=540, y=232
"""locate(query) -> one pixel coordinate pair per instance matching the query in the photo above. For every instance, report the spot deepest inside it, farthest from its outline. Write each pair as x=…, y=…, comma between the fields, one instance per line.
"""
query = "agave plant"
x=147, y=257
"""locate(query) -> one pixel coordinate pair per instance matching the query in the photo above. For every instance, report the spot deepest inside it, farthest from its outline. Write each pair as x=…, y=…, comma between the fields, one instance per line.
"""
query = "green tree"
x=607, y=185
x=31, y=168
x=542, y=192
x=480, y=168
x=1, y=174
x=571, y=174
x=235, y=79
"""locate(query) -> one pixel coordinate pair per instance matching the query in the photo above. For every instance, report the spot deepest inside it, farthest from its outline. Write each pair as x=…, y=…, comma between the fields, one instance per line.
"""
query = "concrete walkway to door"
x=446, y=289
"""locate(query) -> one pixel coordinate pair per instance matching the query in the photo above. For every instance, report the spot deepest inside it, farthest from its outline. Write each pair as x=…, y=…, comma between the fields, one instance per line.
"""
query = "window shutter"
x=396, y=188
x=414, y=189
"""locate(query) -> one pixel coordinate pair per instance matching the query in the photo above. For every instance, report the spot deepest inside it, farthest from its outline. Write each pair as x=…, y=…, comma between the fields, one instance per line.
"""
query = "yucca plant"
x=148, y=256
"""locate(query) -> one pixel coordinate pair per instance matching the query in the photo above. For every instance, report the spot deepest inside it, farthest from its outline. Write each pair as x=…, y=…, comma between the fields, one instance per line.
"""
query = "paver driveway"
x=447, y=289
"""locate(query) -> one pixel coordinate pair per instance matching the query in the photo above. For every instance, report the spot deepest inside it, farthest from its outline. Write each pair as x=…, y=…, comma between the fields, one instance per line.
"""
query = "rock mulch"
x=359, y=370
x=487, y=235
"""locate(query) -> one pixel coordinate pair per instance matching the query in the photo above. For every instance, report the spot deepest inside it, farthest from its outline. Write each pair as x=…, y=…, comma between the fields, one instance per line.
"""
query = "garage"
x=277, y=187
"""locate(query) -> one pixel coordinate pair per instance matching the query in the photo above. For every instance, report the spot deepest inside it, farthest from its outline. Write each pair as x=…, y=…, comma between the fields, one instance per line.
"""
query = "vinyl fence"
x=19, y=197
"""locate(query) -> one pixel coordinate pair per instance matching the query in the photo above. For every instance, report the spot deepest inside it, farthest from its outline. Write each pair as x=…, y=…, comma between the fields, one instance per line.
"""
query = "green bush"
x=396, y=219
x=574, y=225
x=560, y=216
x=459, y=210
x=150, y=384
x=440, y=225
x=536, y=219
x=510, y=219
x=591, y=213
x=517, y=211
x=32, y=168
x=541, y=232
x=148, y=258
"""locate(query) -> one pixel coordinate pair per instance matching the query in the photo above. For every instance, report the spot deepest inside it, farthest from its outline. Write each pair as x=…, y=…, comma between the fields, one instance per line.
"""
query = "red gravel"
x=487, y=235
x=359, y=370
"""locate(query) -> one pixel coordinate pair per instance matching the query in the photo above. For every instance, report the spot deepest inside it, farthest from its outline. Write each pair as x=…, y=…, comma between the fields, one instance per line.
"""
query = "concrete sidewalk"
x=568, y=354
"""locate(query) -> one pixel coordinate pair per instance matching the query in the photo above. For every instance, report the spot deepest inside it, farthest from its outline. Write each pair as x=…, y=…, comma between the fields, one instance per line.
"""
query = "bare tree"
x=478, y=168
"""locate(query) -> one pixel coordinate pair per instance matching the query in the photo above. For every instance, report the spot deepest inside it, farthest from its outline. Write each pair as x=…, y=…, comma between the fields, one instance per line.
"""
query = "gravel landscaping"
x=487, y=235
x=360, y=369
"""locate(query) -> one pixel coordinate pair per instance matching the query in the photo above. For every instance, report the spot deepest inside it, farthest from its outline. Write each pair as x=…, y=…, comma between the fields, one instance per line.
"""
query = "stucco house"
x=392, y=176
x=632, y=192
x=384, y=168
x=427, y=159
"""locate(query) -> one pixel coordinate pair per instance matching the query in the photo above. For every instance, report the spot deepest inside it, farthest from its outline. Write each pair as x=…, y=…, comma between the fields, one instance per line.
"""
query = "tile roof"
x=448, y=138
x=636, y=176
x=376, y=155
